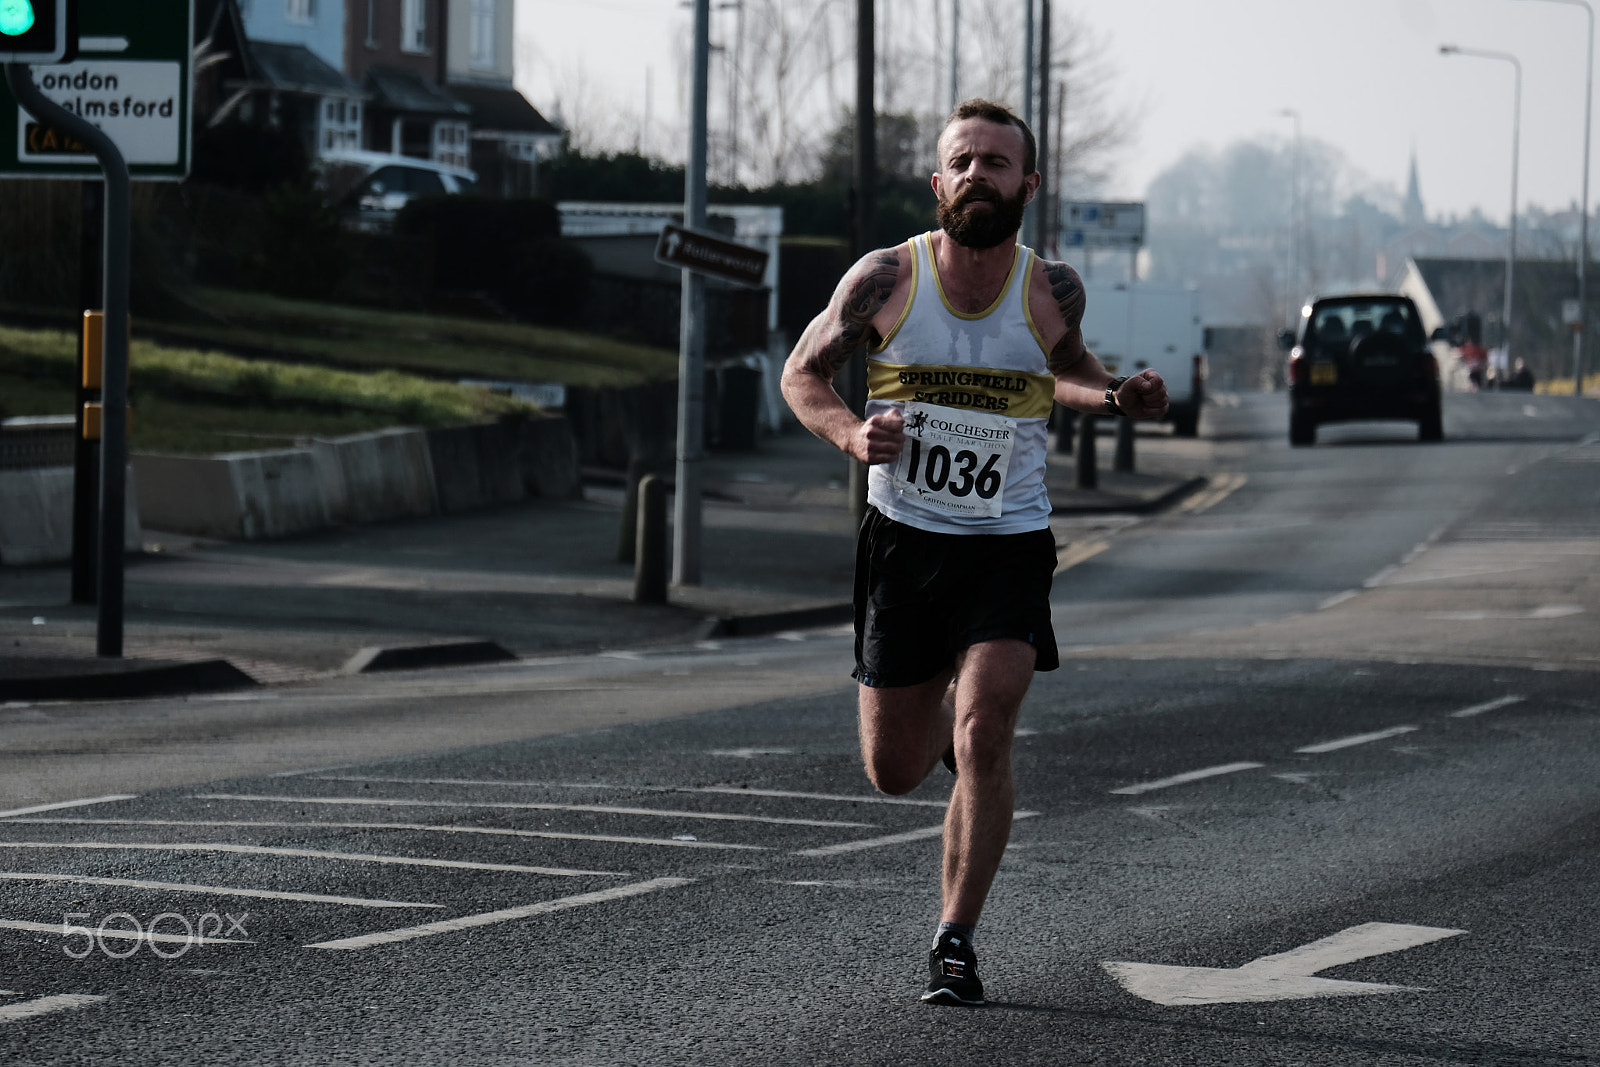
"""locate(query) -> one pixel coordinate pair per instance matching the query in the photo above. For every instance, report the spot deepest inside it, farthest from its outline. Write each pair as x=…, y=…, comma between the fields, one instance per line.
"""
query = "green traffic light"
x=16, y=17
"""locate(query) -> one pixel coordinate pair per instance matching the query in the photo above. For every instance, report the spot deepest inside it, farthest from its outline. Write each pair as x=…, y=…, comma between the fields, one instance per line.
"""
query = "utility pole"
x=955, y=53
x=686, y=514
x=1044, y=239
x=1030, y=224
x=864, y=222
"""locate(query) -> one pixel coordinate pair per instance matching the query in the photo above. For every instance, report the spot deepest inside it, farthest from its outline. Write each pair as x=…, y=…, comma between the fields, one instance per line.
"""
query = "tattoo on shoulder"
x=863, y=292
x=1067, y=290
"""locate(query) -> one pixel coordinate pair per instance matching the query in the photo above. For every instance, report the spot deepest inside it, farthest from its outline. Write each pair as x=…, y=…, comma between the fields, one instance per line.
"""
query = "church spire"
x=1414, y=213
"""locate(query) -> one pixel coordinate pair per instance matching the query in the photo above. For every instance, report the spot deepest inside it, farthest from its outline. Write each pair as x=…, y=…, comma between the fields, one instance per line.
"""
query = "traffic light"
x=38, y=31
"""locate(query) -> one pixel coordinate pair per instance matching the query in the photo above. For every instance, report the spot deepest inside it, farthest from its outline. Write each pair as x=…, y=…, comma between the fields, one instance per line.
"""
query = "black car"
x=1362, y=356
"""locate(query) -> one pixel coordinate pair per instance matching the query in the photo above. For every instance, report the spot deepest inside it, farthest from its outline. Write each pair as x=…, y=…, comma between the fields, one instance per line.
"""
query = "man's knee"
x=892, y=773
x=983, y=742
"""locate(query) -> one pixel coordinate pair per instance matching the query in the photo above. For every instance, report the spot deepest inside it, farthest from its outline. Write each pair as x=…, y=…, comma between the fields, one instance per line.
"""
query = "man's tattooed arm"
x=1067, y=290
x=833, y=337
x=828, y=344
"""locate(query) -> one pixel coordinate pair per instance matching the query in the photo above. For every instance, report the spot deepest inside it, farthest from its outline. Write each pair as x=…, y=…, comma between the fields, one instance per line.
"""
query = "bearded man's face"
x=982, y=217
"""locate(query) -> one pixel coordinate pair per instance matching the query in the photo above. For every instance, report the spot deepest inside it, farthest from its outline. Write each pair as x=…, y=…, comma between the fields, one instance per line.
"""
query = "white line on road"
x=400, y=802
x=891, y=839
x=466, y=922
x=30, y=1009
x=1338, y=598
x=67, y=804
x=1186, y=777
x=213, y=890
x=1358, y=739
x=726, y=790
x=432, y=828
x=1488, y=705
x=124, y=935
x=309, y=853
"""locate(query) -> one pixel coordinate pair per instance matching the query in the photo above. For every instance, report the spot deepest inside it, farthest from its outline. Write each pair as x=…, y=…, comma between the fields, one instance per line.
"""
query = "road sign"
x=706, y=254
x=131, y=79
x=1284, y=976
x=1093, y=224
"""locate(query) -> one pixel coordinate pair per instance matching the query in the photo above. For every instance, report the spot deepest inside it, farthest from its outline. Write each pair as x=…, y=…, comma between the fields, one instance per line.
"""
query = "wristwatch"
x=1112, y=407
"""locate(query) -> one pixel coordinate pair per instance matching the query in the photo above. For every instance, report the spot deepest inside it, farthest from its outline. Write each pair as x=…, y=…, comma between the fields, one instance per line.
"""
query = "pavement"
x=534, y=579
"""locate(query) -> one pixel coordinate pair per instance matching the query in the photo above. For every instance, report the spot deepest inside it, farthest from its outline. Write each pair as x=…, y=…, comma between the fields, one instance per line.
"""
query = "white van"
x=1131, y=328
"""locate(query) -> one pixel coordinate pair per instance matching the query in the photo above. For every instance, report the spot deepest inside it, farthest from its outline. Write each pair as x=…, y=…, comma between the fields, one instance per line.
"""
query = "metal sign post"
x=114, y=391
x=692, y=332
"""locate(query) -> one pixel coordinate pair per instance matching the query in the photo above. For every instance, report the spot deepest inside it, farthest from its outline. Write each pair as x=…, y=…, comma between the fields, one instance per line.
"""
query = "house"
x=430, y=79
x=509, y=136
x=1446, y=291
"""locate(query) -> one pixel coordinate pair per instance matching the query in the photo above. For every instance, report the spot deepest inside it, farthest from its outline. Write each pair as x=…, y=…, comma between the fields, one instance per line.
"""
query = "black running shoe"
x=953, y=970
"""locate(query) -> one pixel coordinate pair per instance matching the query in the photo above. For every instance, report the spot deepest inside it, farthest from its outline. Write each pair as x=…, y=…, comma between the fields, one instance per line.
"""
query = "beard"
x=982, y=227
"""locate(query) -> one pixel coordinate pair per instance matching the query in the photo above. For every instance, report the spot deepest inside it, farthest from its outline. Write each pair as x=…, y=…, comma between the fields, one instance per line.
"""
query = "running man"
x=970, y=338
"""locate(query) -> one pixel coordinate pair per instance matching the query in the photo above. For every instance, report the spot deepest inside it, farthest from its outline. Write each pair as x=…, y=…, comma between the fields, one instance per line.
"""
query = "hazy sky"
x=1365, y=75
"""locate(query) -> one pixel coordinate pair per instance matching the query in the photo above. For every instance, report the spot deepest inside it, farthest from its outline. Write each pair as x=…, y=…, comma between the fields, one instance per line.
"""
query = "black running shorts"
x=922, y=598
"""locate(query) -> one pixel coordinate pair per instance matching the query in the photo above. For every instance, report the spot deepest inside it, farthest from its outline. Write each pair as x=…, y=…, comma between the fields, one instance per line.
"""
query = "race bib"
x=955, y=460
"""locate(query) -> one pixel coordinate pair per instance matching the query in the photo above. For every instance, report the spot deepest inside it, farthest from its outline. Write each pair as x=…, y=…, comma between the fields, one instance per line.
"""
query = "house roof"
x=295, y=68
x=503, y=110
x=401, y=90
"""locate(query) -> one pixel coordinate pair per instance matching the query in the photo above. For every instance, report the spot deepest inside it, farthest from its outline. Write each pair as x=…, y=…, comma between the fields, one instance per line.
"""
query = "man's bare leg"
x=904, y=731
x=993, y=678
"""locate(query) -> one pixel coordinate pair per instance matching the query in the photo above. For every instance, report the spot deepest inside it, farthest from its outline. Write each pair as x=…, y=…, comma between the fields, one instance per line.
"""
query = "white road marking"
x=1284, y=976
x=1547, y=611
x=1358, y=739
x=212, y=890
x=602, y=809
x=1186, y=777
x=30, y=1009
x=1338, y=598
x=125, y=935
x=1488, y=705
x=309, y=853
x=1078, y=552
x=750, y=753
x=67, y=804
x=728, y=790
x=892, y=839
x=466, y=922
x=434, y=828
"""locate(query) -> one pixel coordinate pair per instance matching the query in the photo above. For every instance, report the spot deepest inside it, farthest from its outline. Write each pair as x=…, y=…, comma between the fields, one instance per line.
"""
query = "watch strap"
x=1111, y=405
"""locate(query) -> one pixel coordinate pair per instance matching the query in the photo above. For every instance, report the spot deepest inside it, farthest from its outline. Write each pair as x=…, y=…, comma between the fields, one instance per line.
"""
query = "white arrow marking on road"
x=1285, y=976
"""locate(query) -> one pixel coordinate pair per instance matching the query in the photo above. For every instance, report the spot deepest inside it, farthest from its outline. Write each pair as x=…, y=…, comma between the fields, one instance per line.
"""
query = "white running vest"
x=976, y=394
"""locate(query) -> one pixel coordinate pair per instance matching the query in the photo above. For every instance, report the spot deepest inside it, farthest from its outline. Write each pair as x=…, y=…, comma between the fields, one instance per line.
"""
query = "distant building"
x=430, y=79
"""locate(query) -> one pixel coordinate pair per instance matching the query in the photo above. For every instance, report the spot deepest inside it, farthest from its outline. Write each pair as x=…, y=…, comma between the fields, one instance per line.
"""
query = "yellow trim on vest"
x=933, y=261
x=1027, y=304
x=905, y=312
x=1013, y=393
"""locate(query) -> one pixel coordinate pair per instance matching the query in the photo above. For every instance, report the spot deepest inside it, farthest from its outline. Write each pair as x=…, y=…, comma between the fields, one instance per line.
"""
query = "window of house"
x=414, y=25
x=340, y=122
x=303, y=11
x=483, y=19
x=451, y=144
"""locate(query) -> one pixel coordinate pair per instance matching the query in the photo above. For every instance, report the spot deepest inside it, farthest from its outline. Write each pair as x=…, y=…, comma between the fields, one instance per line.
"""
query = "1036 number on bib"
x=955, y=461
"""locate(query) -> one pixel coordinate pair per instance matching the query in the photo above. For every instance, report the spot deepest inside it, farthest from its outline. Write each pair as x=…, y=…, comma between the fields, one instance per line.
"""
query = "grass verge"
x=197, y=402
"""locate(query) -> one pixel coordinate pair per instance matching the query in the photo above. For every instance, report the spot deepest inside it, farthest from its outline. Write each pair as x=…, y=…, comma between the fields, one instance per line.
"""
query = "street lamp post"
x=1516, y=133
x=1295, y=238
x=1579, y=342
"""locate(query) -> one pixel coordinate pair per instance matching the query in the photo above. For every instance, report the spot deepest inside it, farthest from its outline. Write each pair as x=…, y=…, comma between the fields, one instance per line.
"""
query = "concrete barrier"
x=36, y=516
x=368, y=477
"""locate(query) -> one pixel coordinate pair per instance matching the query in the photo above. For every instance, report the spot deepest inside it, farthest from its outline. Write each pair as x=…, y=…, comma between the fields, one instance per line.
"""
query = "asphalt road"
x=1315, y=785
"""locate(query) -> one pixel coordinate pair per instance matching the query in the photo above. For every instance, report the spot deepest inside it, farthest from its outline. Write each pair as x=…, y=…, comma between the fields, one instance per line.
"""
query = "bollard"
x=1065, y=424
x=650, y=553
x=1084, y=474
x=1123, y=460
x=628, y=533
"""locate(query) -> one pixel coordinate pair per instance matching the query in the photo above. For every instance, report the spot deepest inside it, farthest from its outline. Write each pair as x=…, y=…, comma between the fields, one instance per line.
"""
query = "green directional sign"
x=131, y=78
